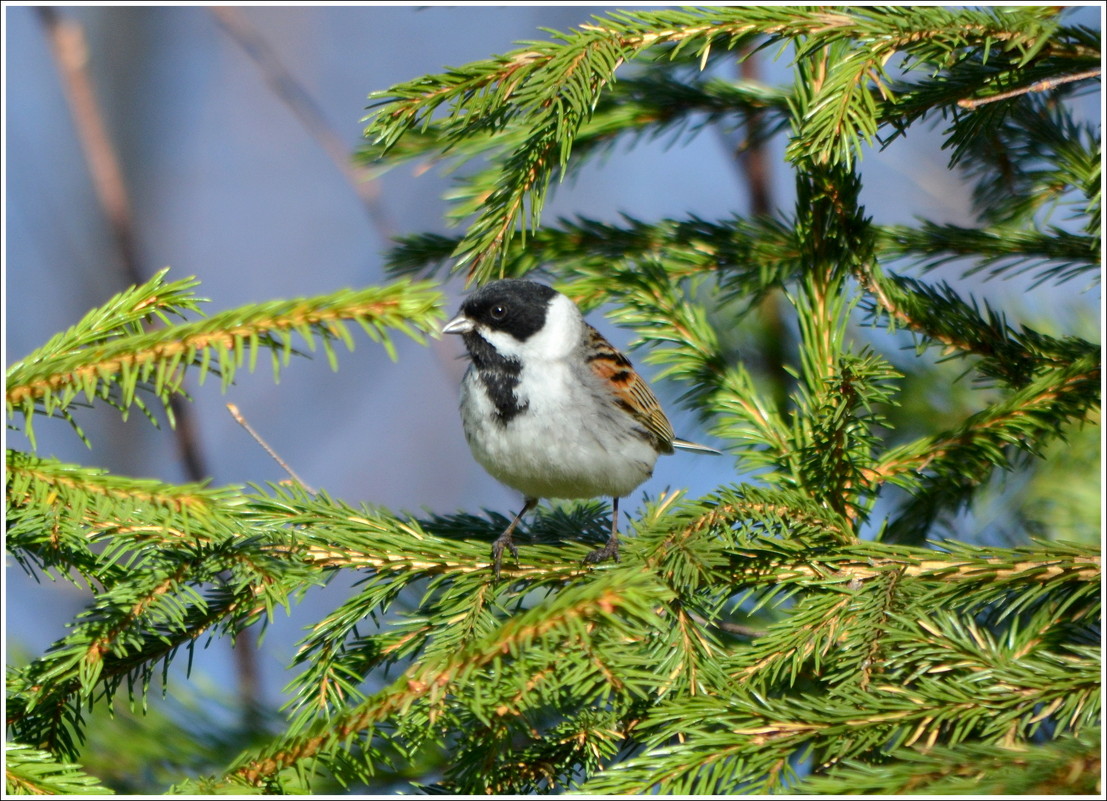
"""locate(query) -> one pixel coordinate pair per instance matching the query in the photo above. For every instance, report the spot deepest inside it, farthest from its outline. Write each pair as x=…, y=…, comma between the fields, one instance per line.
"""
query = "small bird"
x=550, y=408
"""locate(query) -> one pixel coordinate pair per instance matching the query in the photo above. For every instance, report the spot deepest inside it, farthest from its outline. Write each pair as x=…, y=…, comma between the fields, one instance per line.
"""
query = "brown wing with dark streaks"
x=631, y=391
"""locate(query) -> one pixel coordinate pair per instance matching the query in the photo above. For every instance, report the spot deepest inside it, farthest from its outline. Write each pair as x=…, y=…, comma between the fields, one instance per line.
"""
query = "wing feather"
x=631, y=391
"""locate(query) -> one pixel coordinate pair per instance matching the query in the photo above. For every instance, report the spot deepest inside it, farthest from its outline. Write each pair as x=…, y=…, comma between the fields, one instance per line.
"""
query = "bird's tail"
x=685, y=445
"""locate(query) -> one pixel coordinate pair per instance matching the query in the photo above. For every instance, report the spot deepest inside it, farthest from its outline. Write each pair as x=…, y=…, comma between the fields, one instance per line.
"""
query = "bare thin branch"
x=70, y=49
x=292, y=93
x=237, y=415
x=1037, y=86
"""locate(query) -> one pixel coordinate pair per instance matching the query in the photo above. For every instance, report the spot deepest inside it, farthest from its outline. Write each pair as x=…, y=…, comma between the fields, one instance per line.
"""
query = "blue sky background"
x=228, y=186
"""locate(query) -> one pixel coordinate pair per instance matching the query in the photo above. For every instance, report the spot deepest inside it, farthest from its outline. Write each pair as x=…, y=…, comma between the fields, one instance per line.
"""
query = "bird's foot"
x=498, y=552
x=609, y=551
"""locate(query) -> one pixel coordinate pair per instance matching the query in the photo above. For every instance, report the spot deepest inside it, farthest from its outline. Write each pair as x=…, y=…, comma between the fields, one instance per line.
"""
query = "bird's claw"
x=498, y=552
x=609, y=551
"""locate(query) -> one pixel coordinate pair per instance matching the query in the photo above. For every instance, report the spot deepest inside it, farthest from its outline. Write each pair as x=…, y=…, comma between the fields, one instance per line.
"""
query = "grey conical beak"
x=459, y=325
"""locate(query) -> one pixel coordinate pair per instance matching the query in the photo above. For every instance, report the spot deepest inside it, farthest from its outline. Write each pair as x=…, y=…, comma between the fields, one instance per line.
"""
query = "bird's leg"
x=505, y=541
x=610, y=550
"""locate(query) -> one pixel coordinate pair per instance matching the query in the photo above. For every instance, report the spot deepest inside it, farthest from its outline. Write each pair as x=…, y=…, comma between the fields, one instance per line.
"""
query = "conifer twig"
x=241, y=420
x=296, y=97
x=1037, y=86
x=951, y=569
x=429, y=681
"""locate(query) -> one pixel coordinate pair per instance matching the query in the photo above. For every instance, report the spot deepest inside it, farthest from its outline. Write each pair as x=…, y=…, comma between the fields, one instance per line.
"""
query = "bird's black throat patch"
x=498, y=374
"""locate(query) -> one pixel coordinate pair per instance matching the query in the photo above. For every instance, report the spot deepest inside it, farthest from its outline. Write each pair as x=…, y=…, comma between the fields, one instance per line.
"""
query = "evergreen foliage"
x=808, y=626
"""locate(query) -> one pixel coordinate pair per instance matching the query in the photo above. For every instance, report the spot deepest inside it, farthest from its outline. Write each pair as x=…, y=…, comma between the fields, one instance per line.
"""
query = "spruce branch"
x=870, y=560
x=144, y=618
x=942, y=317
x=837, y=451
x=750, y=255
x=58, y=516
x=1065, y=765
x=650, y=104
x=566, y=619
x=743, y=739
x=127, y=312
x=185, y=511
x=555, y=86
x=1028, y=158
x=731, y=512
x=1053, y=255
x=29, y=771
x=545, y=764
x=646, y=107
x=52, y=379
x=1038, y=86
x=943, y=470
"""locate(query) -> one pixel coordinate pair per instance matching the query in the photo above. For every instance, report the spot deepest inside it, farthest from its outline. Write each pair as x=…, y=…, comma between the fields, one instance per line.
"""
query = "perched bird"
x=550, y=408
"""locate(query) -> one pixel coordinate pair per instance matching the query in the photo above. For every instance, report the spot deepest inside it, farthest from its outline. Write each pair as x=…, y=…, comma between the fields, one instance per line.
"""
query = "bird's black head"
x=511, y=305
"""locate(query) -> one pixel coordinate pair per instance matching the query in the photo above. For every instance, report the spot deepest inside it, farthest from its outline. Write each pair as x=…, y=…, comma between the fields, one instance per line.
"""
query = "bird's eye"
x=498, y=312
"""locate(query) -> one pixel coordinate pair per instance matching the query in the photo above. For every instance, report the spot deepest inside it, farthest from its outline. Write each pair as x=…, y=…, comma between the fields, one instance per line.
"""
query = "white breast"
x=571, y=441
